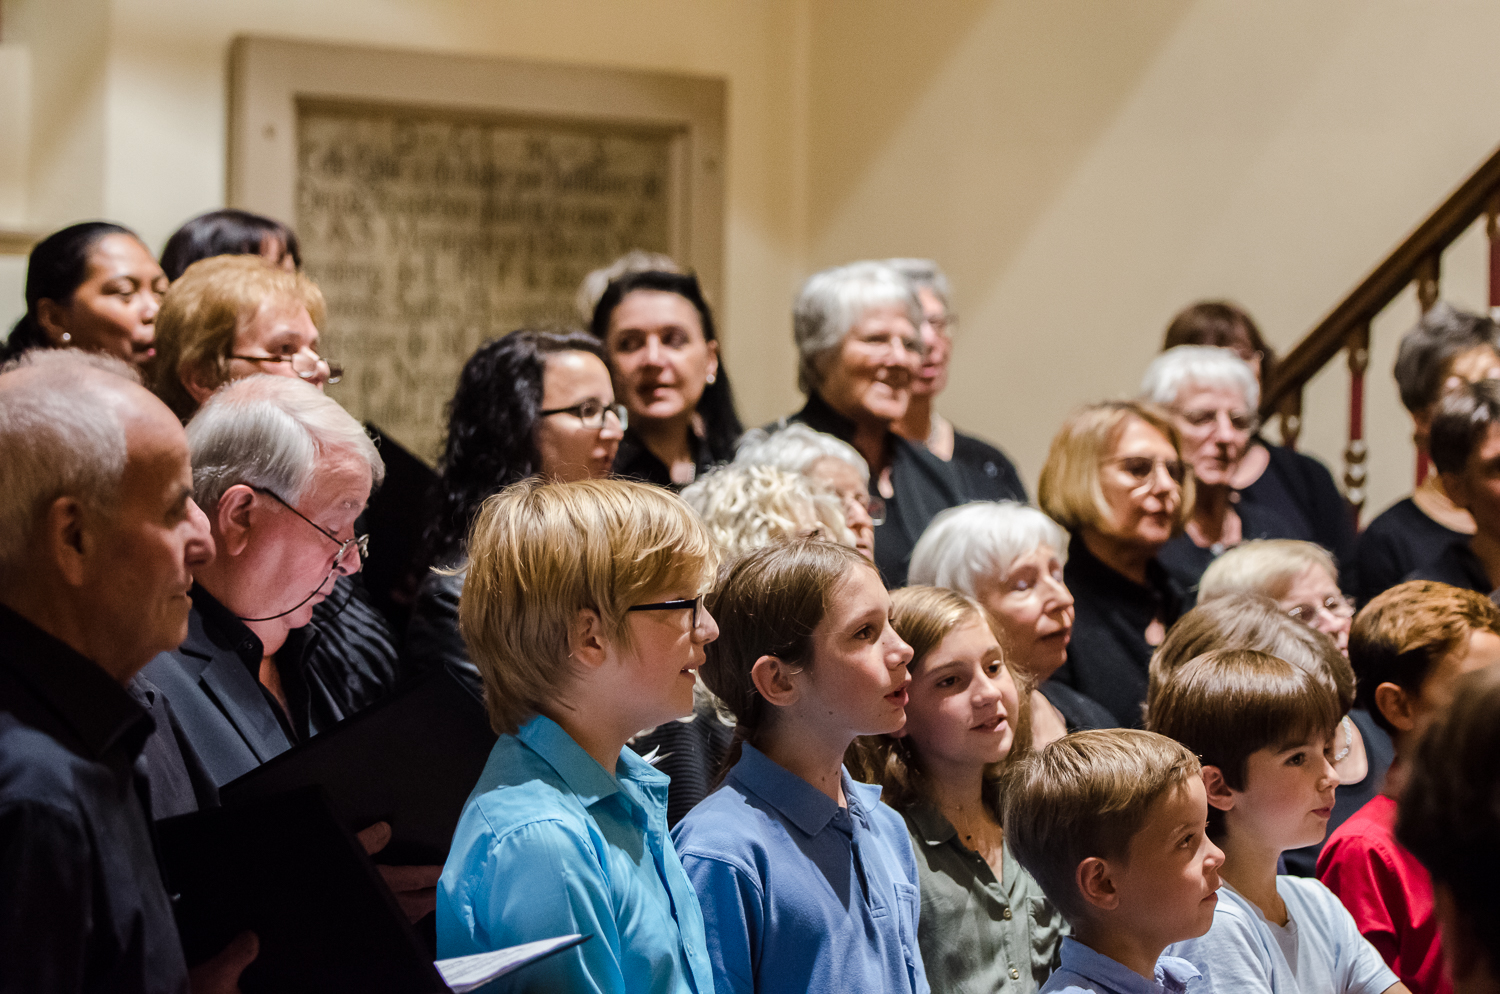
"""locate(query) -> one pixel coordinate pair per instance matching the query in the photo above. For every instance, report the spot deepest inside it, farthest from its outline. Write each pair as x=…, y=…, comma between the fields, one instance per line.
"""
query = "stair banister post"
x=1357, y=345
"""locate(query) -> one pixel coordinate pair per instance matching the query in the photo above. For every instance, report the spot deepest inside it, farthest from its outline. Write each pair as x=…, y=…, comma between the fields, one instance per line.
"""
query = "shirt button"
x=1005, y=914
x=1015, y=974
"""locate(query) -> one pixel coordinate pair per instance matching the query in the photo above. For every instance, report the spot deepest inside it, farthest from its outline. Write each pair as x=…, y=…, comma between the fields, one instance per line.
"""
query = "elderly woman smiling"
x=1212, y=394
x=1115, y=479
x=856, y=329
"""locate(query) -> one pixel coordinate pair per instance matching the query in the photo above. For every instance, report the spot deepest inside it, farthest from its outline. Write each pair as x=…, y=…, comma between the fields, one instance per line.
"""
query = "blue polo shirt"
x=550, y=843
x=799, y=894
x=1084, y=971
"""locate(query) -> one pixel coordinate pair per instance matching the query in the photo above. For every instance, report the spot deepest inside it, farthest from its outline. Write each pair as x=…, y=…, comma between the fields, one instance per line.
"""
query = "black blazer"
x=924, y=485
x=212, y=683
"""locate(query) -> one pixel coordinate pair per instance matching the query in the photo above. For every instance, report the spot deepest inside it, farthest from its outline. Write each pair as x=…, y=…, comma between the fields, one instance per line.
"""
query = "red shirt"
x=1389, y=894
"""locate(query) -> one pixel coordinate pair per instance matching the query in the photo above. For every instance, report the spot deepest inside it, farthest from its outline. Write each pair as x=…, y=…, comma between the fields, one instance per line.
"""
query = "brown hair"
x=768, y=603
x=923, y=617
x=1228, y=703
x=1069, y=490
x=1218, y=322
x=201, y=315
x=541, y=552
x=1251, y=621
x=1401, y=634
x=1086, y=796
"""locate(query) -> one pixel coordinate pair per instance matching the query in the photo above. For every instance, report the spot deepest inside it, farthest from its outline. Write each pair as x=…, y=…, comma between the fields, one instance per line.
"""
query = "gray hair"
x=1428, y=351
x=750, y=507
x=270, y=432
x=1266, y=566
x=1198, y=365
x=60, y=435
x=831, y=304
x=925, y=274
x=596, y=282
x=965, y=544
x=795, y=447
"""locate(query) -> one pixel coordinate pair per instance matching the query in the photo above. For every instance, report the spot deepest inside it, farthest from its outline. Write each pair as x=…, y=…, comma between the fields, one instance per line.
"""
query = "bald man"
x=98, y=538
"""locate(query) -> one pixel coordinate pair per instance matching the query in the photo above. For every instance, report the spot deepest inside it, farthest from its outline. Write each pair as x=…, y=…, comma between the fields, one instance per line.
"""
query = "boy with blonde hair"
x=1263, y=730
x=1112, y=825
x=1410, y=645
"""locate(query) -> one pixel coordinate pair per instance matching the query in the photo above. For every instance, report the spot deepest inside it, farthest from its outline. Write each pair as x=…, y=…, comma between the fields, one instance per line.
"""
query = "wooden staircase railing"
x=1346, y=329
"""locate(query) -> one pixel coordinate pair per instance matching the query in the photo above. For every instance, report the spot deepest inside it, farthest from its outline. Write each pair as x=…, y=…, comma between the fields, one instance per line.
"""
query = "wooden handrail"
x=1417, y=259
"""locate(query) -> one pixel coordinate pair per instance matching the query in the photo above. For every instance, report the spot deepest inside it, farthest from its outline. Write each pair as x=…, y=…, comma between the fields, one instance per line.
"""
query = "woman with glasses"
x=857, y=333
x=1212, y=396
x=658, y=332
x=830, y=463
x=1288, y=484
x=532, y=403
x=1115, y=479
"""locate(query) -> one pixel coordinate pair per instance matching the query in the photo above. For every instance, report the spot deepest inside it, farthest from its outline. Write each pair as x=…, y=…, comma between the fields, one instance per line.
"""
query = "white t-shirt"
x=1318, y=951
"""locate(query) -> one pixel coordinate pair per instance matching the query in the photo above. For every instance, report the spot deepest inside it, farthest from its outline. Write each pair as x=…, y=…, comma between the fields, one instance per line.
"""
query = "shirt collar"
x=799, y=802
x=580, y=771
x=1172, y=974
x=99, y=711
x=932, y=828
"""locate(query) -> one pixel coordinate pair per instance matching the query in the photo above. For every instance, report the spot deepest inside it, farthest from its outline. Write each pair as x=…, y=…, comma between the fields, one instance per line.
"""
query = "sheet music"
x=465, y=973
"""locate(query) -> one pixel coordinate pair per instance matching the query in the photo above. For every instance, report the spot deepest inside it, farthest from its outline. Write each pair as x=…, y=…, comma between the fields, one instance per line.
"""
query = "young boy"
x=1263, y=729
x=1450, y=822
x=1111, y=824
x=1409, y=646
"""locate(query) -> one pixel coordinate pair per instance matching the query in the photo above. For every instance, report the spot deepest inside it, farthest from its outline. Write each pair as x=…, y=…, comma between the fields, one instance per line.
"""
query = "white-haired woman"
x=829, y=462
x=1212, y=395
x=857, y=334
x=1009, y=557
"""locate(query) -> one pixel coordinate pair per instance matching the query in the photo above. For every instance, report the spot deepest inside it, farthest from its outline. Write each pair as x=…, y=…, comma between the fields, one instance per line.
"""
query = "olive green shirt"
x=979, y=935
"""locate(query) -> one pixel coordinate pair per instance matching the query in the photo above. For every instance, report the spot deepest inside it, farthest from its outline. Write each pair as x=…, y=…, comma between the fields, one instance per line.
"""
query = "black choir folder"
x=284, y=868
x=410, y=760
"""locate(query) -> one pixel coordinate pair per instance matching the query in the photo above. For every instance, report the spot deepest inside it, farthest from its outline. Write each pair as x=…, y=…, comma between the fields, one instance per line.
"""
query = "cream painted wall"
x=1082, y=168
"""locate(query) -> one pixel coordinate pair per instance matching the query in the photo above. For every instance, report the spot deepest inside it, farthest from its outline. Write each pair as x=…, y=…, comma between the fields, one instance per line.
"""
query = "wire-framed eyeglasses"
x=304, y=363
x=361, y=542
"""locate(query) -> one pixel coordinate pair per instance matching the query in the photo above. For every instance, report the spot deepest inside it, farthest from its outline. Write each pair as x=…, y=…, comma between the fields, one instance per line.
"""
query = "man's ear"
x=1096, y=884
x=586, y=642
x=67, y=540
x=1219, y=793
x=772, y=677
x=235, y=516
x=1396, y=705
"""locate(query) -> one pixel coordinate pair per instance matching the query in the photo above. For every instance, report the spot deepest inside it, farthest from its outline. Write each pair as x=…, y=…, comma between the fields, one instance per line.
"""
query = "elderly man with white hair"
x=1213, y=396
x=99, y=536
x=859, y=345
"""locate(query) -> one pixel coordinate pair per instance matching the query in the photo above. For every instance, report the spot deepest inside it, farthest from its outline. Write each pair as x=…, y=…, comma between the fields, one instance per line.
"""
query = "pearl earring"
x=67, y=337
x=713, y=378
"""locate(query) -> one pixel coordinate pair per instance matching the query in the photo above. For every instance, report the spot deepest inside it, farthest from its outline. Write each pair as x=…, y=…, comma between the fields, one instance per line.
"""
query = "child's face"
x=1288, y=794
x=858, y=679
x=1168, y=883
x=963, y=703
x=666, y=651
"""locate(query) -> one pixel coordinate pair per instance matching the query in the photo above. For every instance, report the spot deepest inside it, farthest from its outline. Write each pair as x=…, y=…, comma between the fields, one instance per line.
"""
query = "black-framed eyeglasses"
x=304, y=363
x=362, y=542
x=1141, y=468
x=591, y=412
x=695, y=605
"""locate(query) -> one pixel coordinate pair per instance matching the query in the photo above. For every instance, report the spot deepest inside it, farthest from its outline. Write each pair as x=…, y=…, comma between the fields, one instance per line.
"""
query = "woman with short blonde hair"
x=1115, y=479
x=584, y=612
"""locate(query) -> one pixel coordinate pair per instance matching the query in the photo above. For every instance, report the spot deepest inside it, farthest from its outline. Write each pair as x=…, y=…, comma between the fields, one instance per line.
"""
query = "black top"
x=1349, y=797
x=1081, y=713
x=213, y=683
x=393, y=518
x=1456, y=565
x=180, y=784
x=986, y=471
x=923, y=484
x=634, y=461
x=689, y=751
x=1402, y=538
x=433, y=640
x=354, y=657
x=1186, y=561
x=1299, y=491
x=83, y=906
x=1109, y=655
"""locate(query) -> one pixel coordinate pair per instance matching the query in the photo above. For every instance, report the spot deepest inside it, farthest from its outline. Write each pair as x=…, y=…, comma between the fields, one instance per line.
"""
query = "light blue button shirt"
x=798, y=893
x=549, y=844
x=1084, y=971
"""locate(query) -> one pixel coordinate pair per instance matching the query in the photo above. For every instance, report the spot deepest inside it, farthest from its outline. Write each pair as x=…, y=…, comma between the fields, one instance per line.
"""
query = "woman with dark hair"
x=92, y=286
x=659, y=334
x=1272, y=481
x=533, y=403
x=230, y=232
